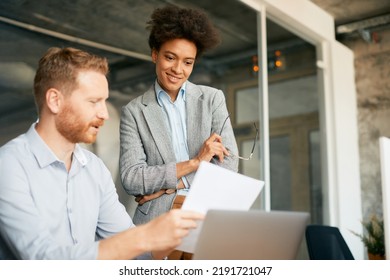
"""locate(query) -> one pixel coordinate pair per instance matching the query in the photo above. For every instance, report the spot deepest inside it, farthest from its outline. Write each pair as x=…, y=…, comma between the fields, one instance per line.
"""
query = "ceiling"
x=116, y=29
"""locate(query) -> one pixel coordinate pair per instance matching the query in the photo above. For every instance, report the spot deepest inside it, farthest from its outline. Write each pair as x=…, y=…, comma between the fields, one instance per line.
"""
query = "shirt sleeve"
x=23, y=230
x=113, y=217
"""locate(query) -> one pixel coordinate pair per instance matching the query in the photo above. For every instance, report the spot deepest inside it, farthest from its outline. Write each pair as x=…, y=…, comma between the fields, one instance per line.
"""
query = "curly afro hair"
x=172, y=22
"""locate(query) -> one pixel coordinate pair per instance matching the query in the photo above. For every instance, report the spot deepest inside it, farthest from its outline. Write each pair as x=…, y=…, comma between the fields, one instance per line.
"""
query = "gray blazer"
x=147, y=160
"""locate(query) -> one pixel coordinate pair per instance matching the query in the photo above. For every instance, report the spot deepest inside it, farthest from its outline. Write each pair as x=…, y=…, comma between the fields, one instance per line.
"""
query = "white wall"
x=385, y=168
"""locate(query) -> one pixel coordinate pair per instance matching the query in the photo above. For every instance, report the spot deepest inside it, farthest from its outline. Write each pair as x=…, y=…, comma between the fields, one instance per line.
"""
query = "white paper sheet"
x=215, y=187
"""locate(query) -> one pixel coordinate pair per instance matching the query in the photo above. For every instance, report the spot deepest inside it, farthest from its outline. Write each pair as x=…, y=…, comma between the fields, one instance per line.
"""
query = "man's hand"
x=159, y=236
x=164, y=233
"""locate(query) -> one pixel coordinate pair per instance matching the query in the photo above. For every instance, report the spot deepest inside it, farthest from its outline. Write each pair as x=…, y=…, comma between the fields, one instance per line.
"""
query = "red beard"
x=74, y=130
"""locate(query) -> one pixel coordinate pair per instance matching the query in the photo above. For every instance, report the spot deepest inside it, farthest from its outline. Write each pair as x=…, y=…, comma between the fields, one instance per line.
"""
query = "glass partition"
x=293, y=105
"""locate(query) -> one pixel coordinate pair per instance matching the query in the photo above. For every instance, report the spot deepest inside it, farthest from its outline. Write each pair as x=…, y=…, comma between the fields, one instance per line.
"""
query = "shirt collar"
x=79, y=155
x=44, y=155
x=158, y=89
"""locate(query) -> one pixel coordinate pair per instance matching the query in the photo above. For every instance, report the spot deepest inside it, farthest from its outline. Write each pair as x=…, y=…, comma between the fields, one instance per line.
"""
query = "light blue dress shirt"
x=48, y=213
x=176, y=118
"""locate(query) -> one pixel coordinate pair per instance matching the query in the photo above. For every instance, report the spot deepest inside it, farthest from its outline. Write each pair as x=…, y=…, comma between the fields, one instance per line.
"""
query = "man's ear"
x=53, y=100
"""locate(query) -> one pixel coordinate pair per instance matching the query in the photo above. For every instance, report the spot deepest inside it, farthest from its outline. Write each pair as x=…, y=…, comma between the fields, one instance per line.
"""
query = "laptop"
x=250, y=235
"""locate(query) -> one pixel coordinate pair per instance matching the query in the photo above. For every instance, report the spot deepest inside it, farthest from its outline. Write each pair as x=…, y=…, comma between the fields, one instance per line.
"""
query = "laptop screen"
x=250, y=235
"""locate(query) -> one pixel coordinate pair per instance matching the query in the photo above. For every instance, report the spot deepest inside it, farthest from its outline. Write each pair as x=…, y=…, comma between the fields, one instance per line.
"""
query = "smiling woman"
x=174, y=125
x=174, y=64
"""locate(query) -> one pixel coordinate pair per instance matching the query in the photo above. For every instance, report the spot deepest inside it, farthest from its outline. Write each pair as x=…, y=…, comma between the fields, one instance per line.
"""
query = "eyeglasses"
x=254, y=141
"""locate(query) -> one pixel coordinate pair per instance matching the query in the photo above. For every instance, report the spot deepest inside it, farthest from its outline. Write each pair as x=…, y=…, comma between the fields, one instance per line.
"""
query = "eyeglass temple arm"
x=254, y=143
x=223, y=125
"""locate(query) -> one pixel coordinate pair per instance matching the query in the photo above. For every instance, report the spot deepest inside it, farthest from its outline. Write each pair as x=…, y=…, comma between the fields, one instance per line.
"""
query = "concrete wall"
x=372, y=68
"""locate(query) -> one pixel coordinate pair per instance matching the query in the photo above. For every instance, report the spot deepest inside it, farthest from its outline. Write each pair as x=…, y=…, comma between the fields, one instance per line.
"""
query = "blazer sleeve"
x=141, y=172
x=220, y=113
x=212, y=114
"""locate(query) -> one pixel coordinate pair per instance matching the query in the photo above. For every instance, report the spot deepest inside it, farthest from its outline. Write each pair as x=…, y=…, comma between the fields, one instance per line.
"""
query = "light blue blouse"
x=175, y=113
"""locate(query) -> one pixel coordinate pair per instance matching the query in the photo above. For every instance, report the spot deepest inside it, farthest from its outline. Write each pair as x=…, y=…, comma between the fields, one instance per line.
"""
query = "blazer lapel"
x=194, y=117
x=154, y=117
